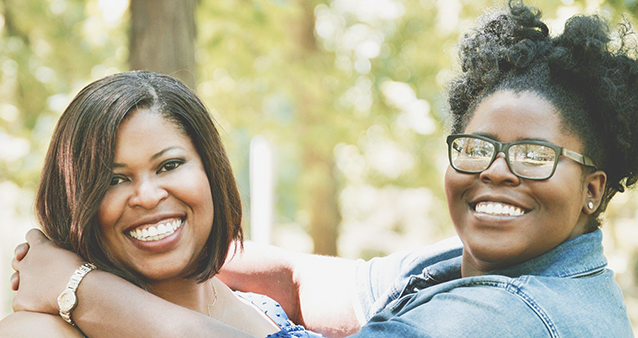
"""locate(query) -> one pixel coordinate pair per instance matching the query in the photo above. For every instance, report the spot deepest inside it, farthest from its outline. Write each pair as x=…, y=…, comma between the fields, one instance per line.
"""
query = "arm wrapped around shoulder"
x=35, y=324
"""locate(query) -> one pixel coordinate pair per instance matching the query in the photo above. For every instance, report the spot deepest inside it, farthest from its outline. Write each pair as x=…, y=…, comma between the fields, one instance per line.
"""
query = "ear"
x=594, y=185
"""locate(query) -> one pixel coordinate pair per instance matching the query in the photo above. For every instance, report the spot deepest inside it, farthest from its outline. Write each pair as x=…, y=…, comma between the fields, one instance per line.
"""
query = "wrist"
x=67, y=301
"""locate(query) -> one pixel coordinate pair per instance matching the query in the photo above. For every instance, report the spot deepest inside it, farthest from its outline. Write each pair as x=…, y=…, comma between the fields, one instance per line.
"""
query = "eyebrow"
x=488, y=135
x=495, y=138
x=155, y=156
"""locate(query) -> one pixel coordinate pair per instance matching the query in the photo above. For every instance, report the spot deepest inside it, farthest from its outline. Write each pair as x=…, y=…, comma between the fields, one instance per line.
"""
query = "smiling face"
x=539, y=215
x=158, y=213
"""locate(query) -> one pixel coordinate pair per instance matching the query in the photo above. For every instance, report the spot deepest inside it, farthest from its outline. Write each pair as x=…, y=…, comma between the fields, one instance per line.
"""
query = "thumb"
x=35, y=236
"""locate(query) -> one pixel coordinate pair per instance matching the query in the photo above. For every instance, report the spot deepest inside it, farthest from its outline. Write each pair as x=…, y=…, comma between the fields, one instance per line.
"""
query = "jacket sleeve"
x=380, y=280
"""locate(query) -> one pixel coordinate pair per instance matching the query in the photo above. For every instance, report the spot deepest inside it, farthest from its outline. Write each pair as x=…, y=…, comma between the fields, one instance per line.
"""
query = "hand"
x=19, y=253
x=42, y=272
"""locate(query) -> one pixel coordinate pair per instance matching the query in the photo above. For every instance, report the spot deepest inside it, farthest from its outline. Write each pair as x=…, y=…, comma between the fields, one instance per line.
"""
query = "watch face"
x=67, y=300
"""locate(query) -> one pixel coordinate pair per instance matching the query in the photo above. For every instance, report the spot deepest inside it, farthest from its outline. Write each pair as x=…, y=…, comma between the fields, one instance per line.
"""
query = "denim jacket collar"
x=539, y=295
x=578, y=256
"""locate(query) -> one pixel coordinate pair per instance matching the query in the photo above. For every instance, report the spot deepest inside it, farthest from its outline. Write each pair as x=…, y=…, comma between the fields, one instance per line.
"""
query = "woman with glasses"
x=543, y=135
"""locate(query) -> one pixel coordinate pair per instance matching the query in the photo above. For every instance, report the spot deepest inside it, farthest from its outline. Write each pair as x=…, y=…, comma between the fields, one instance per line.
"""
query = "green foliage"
x=317, y=78
x=349, y=92
x=48, y=50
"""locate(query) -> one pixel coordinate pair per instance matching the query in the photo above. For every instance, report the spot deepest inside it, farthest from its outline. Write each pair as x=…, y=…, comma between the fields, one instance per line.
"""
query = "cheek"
x=456, y=184
x=107, y=213
x=449, y=183
x=559, y=197
x=201, y=202
x=195, y=190
x=204, y=197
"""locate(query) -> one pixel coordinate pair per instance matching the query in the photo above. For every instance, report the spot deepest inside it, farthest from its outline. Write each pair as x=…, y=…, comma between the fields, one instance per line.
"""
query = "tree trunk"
x=162, y=38
x=319, y=183
x=321, y=187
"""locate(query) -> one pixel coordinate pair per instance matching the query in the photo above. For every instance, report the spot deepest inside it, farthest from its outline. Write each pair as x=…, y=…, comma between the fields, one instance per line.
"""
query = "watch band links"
x=71, y=288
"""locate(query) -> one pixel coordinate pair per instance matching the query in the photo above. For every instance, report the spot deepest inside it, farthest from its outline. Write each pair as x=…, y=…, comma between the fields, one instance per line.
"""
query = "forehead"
x=145, y=130
x=509, y=116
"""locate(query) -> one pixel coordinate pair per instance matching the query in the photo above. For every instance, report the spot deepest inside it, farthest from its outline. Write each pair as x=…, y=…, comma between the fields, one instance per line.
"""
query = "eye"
x=170, y=165
x=479, y=152
x=533, y=154
x=473, y=147
x=117, y=180
x=479, y=149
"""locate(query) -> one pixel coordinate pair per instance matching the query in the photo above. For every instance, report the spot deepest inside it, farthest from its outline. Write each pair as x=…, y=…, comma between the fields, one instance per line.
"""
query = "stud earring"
x=590, y=205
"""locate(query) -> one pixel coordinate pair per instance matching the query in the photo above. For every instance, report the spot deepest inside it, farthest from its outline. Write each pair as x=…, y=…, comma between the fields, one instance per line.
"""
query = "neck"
x=185, y=292
x=468, y=269
x=228, y=308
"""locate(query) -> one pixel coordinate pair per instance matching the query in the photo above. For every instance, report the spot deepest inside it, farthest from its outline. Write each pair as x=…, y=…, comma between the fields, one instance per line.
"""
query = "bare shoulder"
x=34, y=324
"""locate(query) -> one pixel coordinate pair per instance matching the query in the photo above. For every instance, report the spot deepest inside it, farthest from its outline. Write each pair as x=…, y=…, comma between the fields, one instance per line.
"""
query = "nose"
x=499, y=172
x=148, y=194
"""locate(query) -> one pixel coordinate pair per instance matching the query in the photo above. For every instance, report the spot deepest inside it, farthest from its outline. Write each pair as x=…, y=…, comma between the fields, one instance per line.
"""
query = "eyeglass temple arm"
x=582, y=159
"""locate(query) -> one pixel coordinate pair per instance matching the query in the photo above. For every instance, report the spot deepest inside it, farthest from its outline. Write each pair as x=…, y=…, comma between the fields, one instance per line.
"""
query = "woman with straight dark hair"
x=76, y=175
x=137, y=183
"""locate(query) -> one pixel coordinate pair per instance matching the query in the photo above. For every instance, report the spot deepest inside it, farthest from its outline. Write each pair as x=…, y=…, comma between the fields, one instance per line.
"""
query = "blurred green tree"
x=162, y=37
x=47, y=50
x=349, y=92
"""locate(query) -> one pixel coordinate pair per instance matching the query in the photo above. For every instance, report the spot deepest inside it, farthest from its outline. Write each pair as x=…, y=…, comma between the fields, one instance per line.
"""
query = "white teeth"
x=153, y=233
x=500, y=209
x=489, y=209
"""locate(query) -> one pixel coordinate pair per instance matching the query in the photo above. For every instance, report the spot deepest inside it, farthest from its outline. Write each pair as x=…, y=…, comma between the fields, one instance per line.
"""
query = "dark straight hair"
x=77, y=168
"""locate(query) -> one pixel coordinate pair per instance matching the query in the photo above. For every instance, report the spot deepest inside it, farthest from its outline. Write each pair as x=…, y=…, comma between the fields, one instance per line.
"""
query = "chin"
x=494, y=255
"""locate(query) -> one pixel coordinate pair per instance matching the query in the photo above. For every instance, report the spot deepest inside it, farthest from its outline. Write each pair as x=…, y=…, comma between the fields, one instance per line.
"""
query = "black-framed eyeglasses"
x=533, y=160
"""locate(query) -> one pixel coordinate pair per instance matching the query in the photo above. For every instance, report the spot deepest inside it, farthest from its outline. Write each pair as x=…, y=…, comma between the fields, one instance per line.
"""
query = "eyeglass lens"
x=525, y=159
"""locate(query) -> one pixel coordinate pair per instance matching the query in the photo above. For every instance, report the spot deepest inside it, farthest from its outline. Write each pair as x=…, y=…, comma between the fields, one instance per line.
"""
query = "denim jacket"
x=566, y=292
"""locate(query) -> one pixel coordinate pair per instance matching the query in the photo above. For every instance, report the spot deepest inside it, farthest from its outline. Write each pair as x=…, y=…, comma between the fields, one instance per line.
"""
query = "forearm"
x=35, y=324
x=266, y=270
x=315, y=291
x=326, y=286
x=109, y=306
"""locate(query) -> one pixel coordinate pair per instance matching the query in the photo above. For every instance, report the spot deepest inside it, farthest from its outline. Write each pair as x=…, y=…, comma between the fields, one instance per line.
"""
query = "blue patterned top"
x=274, y=311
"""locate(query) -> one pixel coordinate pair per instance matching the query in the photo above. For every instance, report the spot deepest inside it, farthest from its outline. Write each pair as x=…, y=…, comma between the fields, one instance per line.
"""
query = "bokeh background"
x=342, y=102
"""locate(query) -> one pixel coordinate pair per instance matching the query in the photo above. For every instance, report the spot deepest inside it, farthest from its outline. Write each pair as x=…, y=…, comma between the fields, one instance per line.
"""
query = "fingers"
x=35, y=236
x=15, y=281
x=21, y=251
x=14, y=264
x=15, y=305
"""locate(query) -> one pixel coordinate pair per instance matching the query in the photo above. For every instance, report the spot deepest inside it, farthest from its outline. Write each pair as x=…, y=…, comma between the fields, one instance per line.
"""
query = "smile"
x=155, y=233
x=498, y=209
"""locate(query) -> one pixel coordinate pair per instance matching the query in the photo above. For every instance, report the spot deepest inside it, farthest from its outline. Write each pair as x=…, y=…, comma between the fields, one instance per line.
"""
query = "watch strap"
x=72, y=286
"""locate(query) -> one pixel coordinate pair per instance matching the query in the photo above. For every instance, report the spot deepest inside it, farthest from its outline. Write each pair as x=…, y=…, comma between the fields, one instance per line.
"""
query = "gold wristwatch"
x=67, y=300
